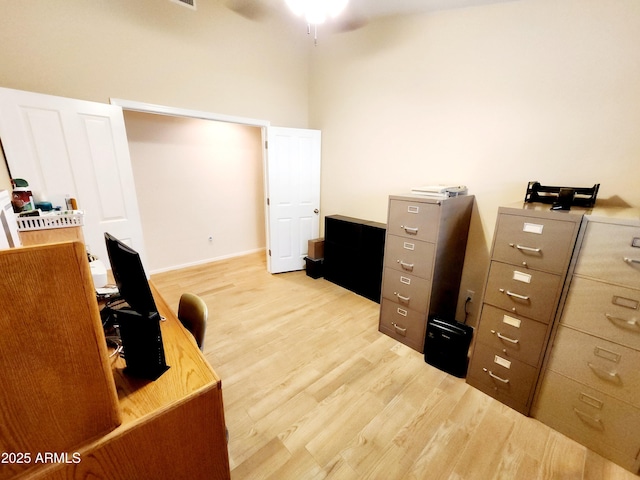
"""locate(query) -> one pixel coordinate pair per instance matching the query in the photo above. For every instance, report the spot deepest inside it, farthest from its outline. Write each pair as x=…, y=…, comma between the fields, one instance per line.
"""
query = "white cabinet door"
x=63, y=146
x=293, y=192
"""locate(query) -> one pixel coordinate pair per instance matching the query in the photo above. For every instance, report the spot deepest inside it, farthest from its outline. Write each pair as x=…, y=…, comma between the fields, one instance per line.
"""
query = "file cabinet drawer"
x=403, y=324
x=508, y=380
x=605, y=366
x=604, y=310
x=590, y=417
x=414, y=220
x=407, y=290
x=612, y=253
x=515, y=337
x=409, y=256
x=539, y=243
x=526, y=292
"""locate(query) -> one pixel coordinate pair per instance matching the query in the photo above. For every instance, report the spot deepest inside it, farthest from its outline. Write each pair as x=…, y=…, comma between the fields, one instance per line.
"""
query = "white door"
x=63, y=146
x=293, y=193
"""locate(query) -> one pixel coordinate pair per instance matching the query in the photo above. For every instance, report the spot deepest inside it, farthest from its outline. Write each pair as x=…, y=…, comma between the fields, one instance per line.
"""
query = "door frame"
x=143, y=107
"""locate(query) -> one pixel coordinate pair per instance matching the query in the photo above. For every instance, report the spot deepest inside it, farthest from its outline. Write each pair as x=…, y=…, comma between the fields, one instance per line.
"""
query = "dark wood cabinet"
x=353, y=254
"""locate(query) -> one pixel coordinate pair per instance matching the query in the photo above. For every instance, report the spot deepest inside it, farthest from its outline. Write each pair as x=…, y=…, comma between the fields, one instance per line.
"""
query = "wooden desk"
x=173, y=427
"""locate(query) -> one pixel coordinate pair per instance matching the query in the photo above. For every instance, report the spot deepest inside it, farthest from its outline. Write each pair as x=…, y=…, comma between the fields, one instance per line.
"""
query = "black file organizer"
x=561, y=198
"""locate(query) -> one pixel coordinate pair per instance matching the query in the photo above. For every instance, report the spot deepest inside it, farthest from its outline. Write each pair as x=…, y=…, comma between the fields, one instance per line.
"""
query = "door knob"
x=315, y=210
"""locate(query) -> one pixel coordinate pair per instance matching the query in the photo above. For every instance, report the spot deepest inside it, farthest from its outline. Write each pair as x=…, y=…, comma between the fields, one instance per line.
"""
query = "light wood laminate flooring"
x=312, y=390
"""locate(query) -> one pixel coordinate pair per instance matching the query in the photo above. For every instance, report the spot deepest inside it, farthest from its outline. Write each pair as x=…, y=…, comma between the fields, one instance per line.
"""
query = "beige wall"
x=158, y=52
x=489, y=97
x=196, y=179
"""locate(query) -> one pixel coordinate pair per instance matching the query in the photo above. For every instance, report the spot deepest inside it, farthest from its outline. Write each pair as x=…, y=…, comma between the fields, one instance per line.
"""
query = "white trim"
x=183, y=112
x=205, y=261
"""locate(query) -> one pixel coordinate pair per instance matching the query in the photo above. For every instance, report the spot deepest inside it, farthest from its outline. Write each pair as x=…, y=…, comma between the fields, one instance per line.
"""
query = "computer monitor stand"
x=142, y=344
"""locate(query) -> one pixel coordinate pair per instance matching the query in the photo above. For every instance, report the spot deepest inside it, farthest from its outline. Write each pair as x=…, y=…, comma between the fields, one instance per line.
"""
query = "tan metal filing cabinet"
x=590, y=390
x=530, y=256
x=424, y=255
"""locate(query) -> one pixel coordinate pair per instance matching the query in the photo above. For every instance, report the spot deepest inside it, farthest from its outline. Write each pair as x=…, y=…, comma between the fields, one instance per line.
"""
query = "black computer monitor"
x=130, y=276
x=138, y=325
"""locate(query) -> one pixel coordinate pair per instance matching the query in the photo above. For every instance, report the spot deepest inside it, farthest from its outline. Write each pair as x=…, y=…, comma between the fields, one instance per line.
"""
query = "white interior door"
x=63, y=146
x=293, y=192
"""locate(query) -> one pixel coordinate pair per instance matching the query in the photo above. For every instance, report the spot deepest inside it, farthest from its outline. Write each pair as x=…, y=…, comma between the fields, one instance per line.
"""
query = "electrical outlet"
x=470, y=294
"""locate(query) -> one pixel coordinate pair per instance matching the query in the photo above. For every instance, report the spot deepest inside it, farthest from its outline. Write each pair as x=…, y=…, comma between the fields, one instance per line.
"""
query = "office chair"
x=192, y=313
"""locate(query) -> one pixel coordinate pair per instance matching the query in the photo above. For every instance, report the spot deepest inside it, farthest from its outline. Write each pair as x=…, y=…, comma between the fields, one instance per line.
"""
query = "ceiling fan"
x=337, y=15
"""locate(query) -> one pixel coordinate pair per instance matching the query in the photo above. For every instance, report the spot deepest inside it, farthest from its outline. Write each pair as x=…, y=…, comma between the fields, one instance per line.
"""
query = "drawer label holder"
x=607, y=354
x=521, y=277
x=533, y=228
x=514, y=322
x=625, y=302
x=503, y=362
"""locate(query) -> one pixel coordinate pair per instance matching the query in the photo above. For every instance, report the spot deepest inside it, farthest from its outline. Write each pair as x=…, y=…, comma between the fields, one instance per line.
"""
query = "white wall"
x=490, y=97
x=196, y=179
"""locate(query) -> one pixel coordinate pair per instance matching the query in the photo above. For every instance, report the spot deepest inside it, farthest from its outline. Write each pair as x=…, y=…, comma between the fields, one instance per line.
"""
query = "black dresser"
x=354, y=253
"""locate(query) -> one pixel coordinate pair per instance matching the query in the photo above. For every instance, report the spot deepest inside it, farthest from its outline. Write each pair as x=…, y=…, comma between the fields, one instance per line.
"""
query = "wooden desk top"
x=189, y=372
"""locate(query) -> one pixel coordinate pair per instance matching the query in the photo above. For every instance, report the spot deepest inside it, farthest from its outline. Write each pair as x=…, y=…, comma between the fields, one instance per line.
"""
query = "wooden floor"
x=312, y=390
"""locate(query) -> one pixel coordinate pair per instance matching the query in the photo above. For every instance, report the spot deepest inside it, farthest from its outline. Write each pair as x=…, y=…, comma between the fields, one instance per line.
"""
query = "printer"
x=440, y=191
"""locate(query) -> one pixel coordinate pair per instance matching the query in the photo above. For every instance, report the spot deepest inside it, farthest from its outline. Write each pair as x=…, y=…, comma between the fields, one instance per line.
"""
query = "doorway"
x=291, y=177
x=200, y=188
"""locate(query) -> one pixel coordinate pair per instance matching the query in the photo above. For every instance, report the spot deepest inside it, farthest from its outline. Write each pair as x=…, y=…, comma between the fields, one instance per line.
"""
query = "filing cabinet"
x=590, y=390
x=423, y=259
x=530, y=257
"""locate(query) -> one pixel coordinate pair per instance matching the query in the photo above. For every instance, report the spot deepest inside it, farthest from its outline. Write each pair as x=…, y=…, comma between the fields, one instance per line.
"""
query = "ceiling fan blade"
x=250, y=9
x=348, y=23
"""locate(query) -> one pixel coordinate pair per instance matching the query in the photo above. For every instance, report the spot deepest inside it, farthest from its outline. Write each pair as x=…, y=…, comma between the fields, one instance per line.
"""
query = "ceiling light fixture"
x=316, y=12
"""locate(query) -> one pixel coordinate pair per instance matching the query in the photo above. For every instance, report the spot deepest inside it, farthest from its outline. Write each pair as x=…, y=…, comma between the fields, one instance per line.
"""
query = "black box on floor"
x=446, y=346
x=314, y=267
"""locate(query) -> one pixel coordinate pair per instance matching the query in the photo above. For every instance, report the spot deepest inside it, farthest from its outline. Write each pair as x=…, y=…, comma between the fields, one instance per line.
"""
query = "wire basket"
x=53, y=220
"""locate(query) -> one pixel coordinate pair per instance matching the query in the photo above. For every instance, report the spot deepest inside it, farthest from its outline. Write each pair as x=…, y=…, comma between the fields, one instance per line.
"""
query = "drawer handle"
x=631, y=260
x=493, y=375
x=588, y=419
x=515, y=295
x=410, y=230
x=401, y=298
x=505, y=338
x=406, y=266
x=526, y=249
x=399, y=330
x=614, y=320
x=611, y=376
